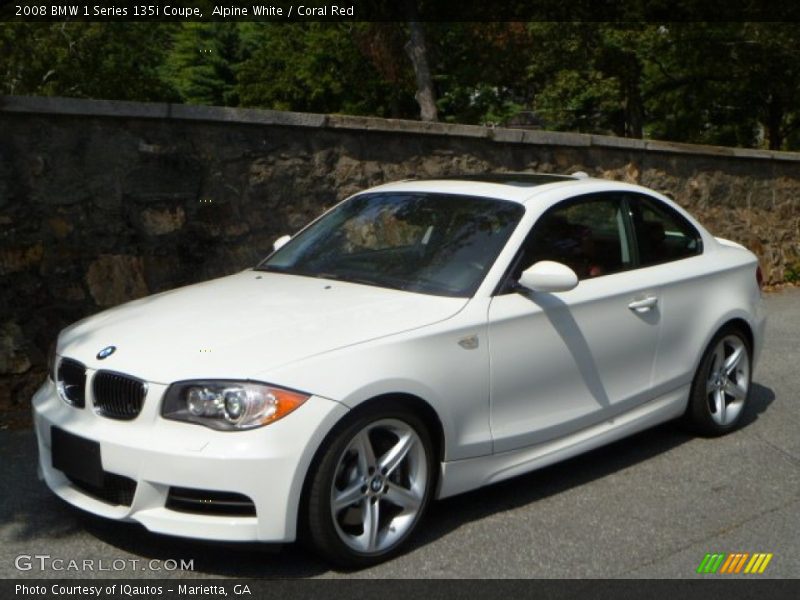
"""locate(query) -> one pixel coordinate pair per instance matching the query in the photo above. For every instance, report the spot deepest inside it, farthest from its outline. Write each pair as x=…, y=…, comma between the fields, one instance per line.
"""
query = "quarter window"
x=662, y=235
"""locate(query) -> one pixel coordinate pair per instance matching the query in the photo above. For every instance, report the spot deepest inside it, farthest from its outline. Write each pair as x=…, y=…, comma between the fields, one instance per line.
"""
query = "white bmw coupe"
x=418, y=340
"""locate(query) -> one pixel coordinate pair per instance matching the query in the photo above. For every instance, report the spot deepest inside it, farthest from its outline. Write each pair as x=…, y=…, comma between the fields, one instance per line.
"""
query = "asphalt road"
x=649, y=506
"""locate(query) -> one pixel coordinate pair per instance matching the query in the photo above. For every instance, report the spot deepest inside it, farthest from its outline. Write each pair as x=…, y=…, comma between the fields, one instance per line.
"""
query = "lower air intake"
x=209, y=502
x=116, y=489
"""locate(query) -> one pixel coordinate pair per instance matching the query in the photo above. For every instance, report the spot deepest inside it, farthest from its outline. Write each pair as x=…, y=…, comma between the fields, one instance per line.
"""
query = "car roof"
x=517, y=187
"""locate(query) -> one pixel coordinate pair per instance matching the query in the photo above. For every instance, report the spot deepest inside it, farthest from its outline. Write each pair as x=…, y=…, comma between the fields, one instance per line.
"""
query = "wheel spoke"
x=408, y=500
x=719, y=405
x=348, y=496
x=735, y=390
x=390, y=461
x=370, y=521
x=733, y=360
x=719, y=359
x=366, y=455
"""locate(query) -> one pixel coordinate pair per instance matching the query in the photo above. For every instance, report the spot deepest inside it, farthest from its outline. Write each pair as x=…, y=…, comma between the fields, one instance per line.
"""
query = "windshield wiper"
x=284, y=270
x=347, y=278
x=333, y=276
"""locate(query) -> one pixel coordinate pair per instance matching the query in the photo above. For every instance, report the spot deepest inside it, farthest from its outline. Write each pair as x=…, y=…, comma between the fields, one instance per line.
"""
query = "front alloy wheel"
x=371, y=487
x=378, y=486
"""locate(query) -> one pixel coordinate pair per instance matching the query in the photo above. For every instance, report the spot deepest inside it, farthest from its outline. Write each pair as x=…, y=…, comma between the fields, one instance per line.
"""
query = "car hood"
x=243, y=325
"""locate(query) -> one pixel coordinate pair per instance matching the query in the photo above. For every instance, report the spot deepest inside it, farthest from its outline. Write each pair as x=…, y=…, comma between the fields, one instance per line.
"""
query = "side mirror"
x=280, y=242
x=548, y=276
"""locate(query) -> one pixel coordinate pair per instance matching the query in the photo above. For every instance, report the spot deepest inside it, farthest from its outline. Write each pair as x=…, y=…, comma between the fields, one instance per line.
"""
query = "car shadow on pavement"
x=760, y=399
x=28, y=511
x=32, y=515
x=212, y=559
x=451, y=513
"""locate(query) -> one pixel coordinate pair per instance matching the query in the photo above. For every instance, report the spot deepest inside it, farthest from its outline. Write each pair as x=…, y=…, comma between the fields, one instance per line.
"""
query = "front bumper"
x=267, y=464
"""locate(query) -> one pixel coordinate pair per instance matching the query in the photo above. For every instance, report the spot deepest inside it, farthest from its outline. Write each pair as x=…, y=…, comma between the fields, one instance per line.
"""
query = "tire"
x=371, y=485
x=721, y=386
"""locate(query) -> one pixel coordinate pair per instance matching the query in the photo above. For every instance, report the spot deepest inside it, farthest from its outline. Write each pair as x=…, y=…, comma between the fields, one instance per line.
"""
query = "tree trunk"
x=774, y=122
x=415, y=48
x=634, y=108
x=634, y=126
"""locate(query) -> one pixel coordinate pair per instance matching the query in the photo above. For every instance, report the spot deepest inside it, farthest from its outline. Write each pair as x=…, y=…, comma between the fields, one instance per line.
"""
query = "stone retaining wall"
x=102, y=202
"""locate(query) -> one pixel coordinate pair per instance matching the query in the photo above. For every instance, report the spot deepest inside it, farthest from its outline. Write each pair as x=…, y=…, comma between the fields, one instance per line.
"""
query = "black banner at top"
x=399, y=10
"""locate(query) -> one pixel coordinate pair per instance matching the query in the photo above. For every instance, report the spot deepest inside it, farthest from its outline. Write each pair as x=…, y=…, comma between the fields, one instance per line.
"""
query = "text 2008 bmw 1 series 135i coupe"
x=418, y=340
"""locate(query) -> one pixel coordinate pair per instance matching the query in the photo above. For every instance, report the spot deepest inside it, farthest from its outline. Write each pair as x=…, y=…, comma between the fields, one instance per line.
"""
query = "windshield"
x=421, y=242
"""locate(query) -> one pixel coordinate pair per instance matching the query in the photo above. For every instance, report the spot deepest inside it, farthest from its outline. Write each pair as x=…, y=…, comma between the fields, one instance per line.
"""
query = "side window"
x=662, y=235
x=587, y=234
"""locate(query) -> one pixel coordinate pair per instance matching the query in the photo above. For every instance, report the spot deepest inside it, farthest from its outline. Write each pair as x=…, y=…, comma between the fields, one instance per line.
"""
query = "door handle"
x=643, y=305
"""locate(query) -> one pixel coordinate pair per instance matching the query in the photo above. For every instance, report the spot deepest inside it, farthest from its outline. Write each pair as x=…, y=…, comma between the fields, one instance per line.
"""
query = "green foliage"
x=695, y=90
x=591, y=75
x=792, y=273
x=85, y=60
x=480, y=70
x=718, y=83
x=324, y=67
x=203, y=61
x=722, y=83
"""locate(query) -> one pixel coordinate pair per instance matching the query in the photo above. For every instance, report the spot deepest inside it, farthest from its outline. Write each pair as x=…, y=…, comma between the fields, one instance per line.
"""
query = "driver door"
x=561, y=362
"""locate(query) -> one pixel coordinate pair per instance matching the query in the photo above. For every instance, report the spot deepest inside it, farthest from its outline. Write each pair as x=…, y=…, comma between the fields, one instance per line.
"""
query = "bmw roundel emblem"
x=106, y=352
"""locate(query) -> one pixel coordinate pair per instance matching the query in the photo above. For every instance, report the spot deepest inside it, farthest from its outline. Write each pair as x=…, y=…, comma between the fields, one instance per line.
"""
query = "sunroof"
x=516, y=179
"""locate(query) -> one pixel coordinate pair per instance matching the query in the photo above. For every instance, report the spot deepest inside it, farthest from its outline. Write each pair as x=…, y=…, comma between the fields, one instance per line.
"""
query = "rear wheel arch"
x=696, y=416
x=743, y=327
x=736, y=323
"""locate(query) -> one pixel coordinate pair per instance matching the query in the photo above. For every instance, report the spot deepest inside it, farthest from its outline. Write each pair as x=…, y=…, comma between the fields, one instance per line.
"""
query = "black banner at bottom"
x=397, y=589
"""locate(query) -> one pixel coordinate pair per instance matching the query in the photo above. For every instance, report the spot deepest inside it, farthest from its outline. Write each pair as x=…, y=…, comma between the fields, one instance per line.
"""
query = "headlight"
x=229, y=405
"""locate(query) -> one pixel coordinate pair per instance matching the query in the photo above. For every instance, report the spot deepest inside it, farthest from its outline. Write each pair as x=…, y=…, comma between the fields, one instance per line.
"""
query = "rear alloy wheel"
x=371, y=488
x=722, y=384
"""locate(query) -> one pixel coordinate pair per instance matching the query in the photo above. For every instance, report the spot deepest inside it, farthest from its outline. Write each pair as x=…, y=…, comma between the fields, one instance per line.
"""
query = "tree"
x=323, y=67
x=203, y=62
x=87, y=60
x=730, y=83
x=592, y=75
x=381, y=44
x=418, y=54
x=767, y=62
x=479, y=70
x=721, y=83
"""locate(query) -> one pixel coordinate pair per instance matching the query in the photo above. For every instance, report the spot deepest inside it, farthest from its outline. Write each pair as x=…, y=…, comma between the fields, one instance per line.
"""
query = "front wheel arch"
x=422, y=409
